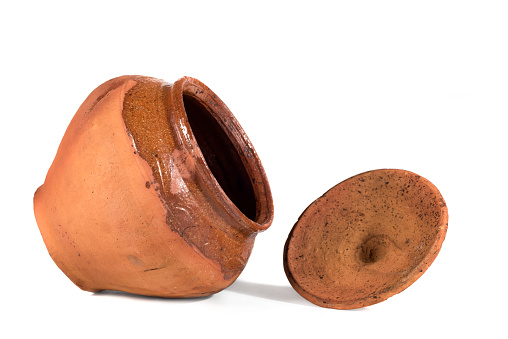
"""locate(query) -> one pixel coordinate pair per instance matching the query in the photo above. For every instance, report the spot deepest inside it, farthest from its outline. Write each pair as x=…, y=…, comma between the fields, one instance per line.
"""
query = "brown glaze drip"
x=146, y=114
x=366, y=239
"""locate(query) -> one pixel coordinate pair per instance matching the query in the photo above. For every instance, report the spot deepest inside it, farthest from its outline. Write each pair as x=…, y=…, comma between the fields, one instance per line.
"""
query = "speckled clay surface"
x=366, y=239
x=155, y=190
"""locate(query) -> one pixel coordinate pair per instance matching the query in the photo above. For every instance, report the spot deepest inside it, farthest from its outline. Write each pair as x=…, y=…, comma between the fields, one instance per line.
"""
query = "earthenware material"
x=155, y=190
x=366, y=239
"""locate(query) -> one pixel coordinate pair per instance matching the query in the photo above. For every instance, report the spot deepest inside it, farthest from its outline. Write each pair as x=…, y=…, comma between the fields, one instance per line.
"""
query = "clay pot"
x=366, y=239
x=155, y=190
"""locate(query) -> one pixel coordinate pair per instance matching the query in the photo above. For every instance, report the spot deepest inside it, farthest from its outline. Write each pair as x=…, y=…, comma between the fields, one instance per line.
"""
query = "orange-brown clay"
x=155, y=190
x=366, y=239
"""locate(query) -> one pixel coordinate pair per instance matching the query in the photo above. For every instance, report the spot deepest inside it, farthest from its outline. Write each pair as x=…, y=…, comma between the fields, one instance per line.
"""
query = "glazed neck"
x=226, y=165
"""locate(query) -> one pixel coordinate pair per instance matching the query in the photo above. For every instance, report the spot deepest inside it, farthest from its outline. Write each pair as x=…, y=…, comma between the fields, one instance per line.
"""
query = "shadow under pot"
x=155, y=190
x=366, y=239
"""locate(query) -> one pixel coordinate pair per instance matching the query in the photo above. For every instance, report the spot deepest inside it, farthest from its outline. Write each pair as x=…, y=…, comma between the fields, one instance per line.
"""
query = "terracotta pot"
x=155, y=190
x=366, y=239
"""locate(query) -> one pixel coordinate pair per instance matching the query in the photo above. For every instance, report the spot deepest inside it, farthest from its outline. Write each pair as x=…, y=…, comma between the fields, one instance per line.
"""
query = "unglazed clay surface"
x=366, y=239
x=142, y=198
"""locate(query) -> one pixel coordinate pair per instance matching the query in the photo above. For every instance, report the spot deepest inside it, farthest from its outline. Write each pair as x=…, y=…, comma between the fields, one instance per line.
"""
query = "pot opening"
x=221, y=156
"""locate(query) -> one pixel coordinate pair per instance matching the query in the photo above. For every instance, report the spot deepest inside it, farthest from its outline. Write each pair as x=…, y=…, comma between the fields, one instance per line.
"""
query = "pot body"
x=133, y=202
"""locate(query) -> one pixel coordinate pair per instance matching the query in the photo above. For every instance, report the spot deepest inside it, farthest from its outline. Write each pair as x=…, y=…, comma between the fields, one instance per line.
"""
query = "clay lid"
x=368, y=238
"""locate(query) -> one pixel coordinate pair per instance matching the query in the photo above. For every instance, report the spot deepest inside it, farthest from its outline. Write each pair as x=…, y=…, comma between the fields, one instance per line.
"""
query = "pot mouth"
x=226, y=160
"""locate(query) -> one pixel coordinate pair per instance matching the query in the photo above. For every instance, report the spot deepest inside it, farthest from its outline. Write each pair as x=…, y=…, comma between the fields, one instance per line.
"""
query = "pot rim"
x=185, y=138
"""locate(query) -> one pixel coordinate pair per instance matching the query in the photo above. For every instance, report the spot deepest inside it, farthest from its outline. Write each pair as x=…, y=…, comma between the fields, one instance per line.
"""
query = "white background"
x=325, y=90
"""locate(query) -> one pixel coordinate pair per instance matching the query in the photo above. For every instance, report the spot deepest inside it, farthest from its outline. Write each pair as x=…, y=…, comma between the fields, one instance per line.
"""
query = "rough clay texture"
x=130, y=203
x=366, y=239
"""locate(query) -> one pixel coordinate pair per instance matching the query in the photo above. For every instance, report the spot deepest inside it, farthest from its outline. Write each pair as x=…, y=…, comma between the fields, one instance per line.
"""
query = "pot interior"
x=221, y=156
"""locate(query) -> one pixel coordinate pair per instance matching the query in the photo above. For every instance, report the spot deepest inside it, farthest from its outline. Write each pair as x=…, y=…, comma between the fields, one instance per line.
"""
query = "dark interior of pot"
x=221, y=156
